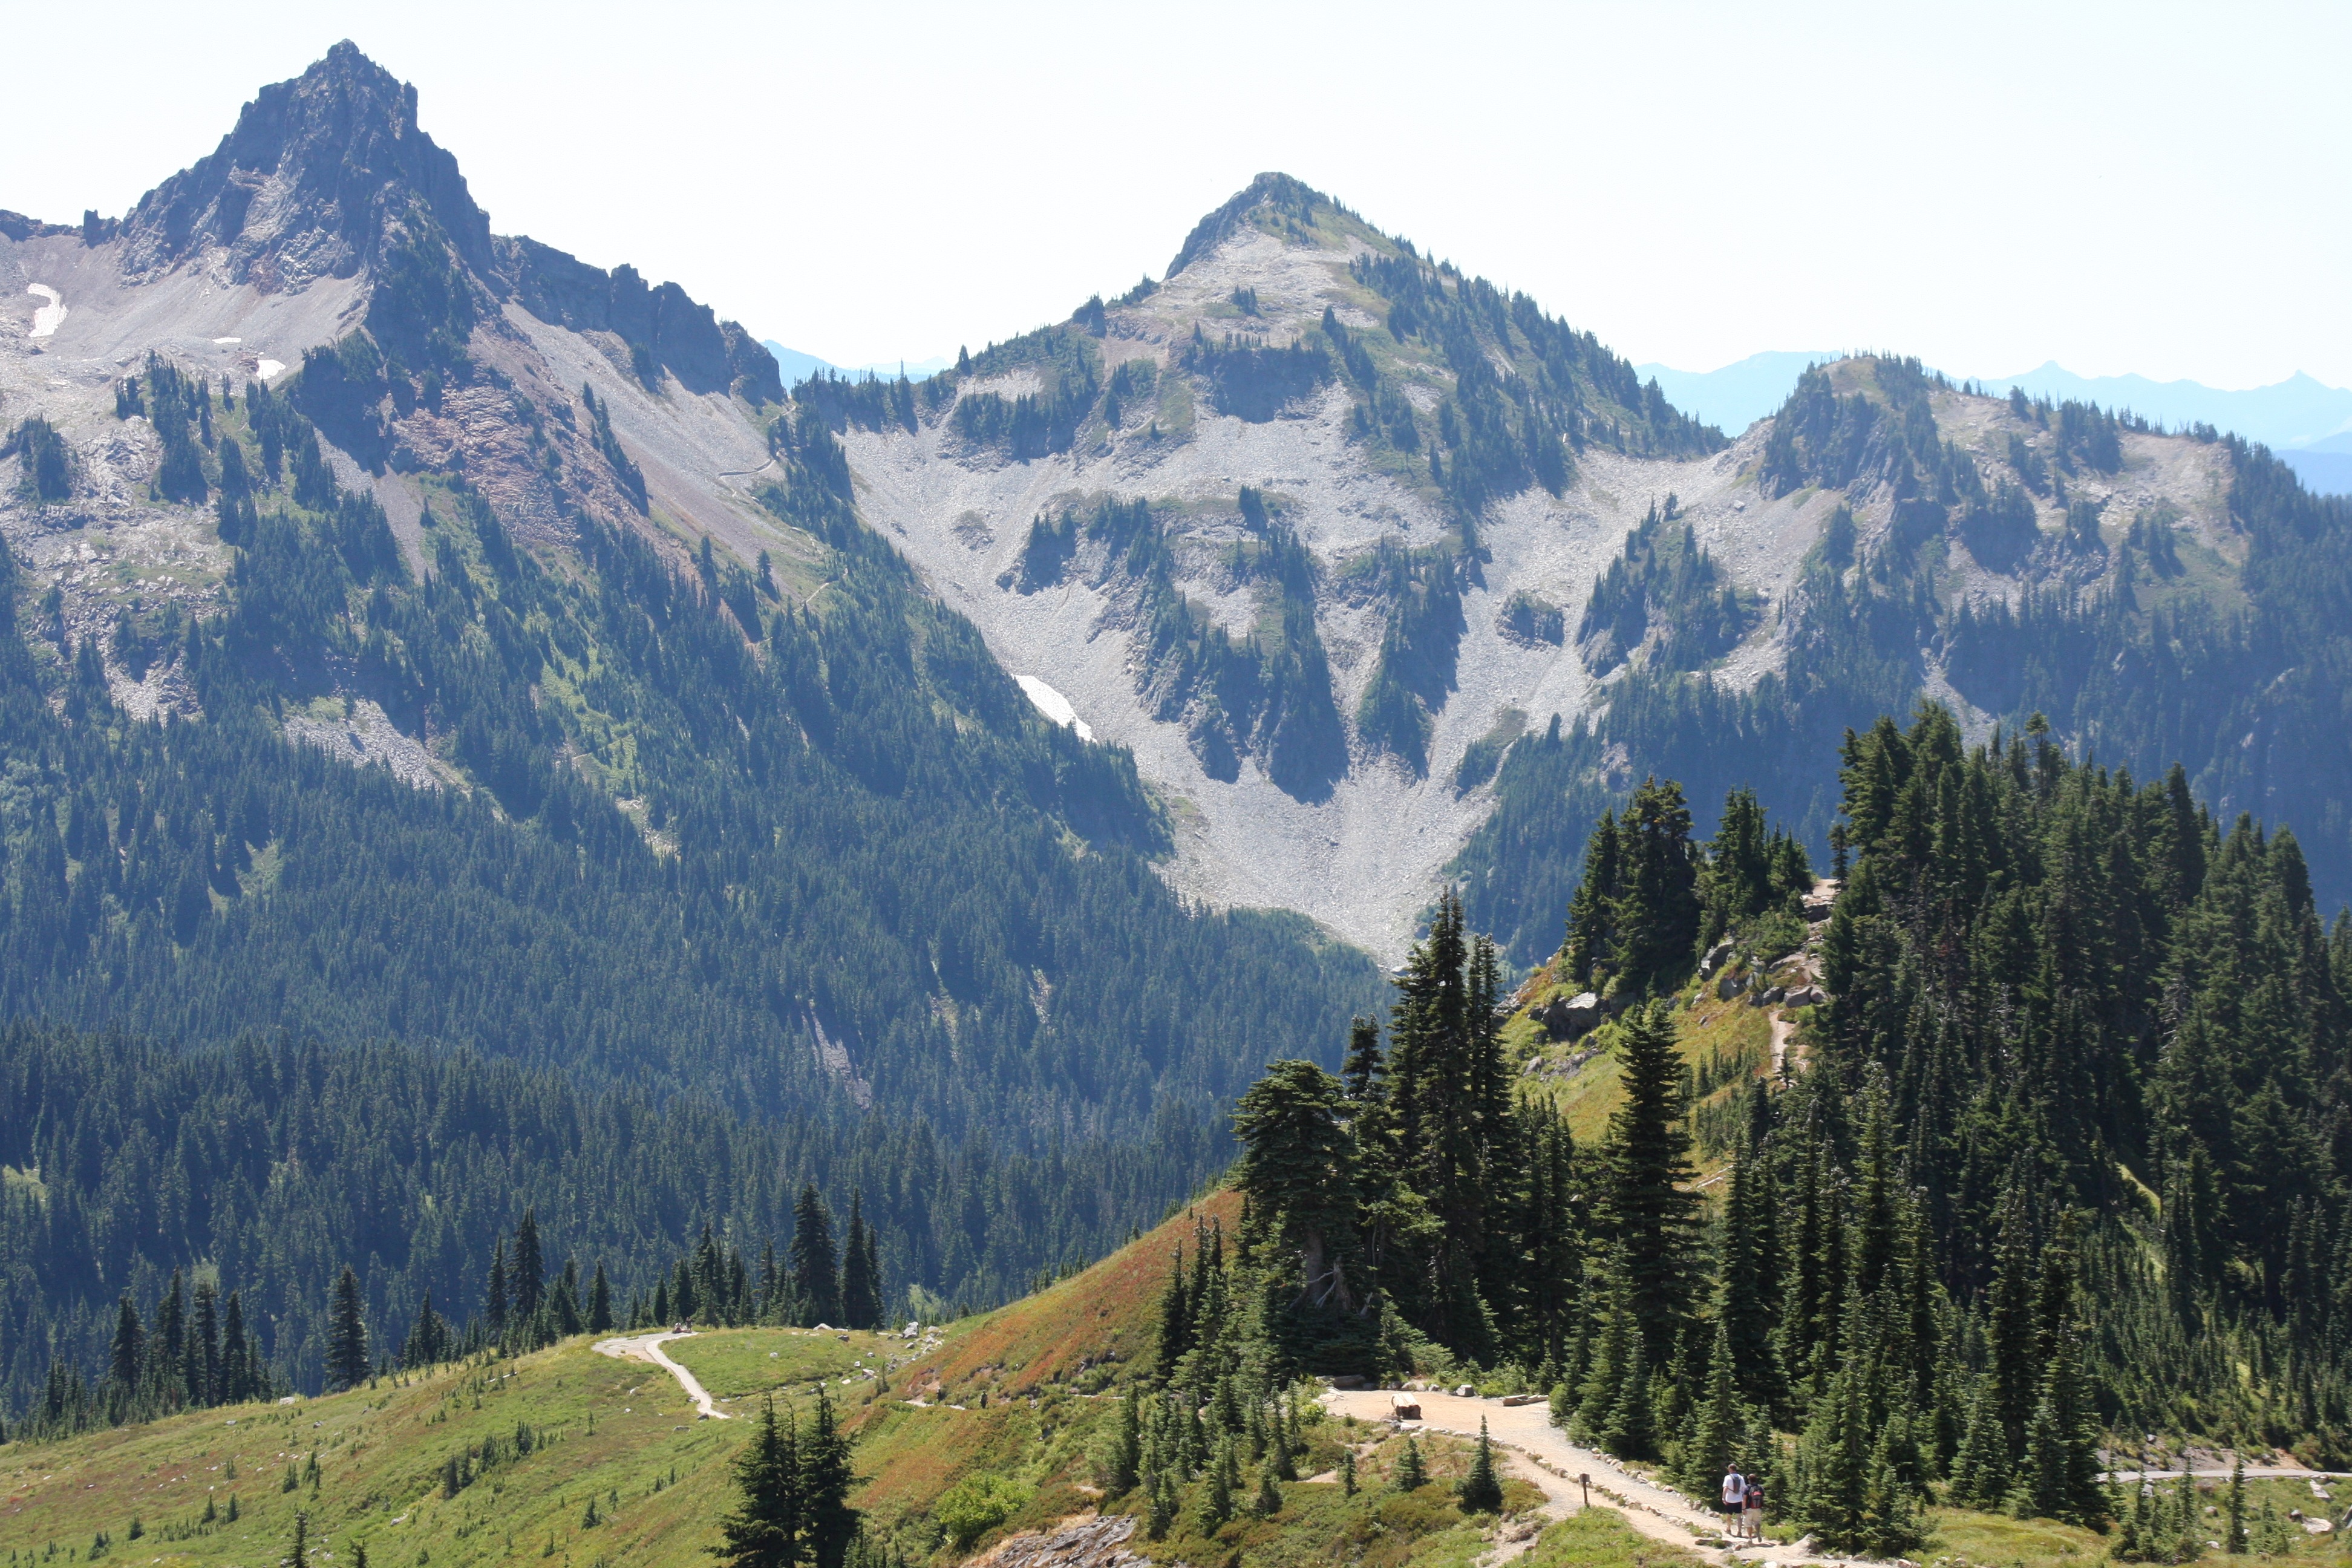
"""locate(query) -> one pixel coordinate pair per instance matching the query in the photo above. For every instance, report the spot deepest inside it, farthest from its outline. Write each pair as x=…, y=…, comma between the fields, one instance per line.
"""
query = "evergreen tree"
x=1592, y=941
x=167, y=1349
x=242, y=1377
x=200, y=1369
x=2234, y=1515
x=1217, y=1496
x=2062, y=1467
x=1297, y=1170
x=129, y=1347
x=2013, y=1329
x=428, y=1336
x=1980, y=1472
x=1163, y=1506
x=768, y=1527
x=528, y=1281
x=494, y=1293
x=600, y=1303
x=861, y=1306
x=1481, y=1491
x=1630, y=1429
x=1656, y=917
x=1412, y=1474
x=815, y=1264
x=1717, y=1426
x=825, y=1480
x=347, y=1341
x=1127, y=1448
x=1651, y=1210
x=1175, y=1323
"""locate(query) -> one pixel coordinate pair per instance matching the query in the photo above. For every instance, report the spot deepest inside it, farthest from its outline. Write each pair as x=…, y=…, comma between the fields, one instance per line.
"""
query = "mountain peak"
x=1273, y=188
x=305, y=185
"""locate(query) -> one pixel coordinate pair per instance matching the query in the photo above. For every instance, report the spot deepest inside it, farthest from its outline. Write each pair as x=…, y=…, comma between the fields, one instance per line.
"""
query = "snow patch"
x=1055, y=706
x=49, y=317
x=270, y=367
x=229, y=339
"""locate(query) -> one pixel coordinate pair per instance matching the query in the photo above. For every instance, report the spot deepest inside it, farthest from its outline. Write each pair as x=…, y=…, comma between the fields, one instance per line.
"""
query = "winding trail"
x=1549, y=1460
x=649, y=1348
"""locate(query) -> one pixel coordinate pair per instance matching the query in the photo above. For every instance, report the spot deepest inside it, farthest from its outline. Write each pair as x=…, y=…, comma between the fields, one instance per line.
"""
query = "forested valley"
x=710, y=876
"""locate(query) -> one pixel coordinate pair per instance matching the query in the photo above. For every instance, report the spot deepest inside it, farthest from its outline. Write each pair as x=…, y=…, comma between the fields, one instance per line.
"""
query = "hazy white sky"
x=2140, y=187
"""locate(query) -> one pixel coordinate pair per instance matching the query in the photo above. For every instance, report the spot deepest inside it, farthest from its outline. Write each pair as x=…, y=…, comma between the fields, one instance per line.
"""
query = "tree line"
x=2066, y=1153
x=817, y=849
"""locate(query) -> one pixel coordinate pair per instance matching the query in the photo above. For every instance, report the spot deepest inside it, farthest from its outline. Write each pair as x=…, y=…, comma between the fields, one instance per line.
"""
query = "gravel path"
x=1553, y=1463
x=649, y=1348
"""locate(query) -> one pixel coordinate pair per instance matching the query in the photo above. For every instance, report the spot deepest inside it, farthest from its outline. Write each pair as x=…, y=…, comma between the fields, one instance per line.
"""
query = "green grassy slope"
x=1021, y=1400
x=619, y=1432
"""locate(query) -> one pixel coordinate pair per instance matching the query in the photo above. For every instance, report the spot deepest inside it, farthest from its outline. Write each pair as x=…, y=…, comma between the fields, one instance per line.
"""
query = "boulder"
x=1716, y=956
x=1465, y=1392
x=1804, y=996
x=1565, y=1017
x=1730, y=986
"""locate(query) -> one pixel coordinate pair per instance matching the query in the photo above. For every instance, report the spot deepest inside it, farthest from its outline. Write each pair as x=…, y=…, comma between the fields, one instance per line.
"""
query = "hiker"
x=1735, y=1493
x=1751, y=1511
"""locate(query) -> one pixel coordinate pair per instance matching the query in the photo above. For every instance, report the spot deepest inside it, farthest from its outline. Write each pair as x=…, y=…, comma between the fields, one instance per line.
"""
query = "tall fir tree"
x=816, y=1261
x=1651, y=1212
x=528, y=1284
x=861, y=1304
x=347, y=1338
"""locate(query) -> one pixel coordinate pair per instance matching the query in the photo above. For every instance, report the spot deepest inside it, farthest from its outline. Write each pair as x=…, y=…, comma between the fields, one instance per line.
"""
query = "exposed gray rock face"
x=327, y=175
x=664, y=327
x=1099, y=1542
x=1568, y=1016
x=328, y=234
x=306, y=185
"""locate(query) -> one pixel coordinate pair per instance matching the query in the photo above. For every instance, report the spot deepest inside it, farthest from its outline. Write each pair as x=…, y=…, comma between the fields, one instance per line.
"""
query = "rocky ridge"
x=1283, y=269
x=1378, y=493
x=329, y=233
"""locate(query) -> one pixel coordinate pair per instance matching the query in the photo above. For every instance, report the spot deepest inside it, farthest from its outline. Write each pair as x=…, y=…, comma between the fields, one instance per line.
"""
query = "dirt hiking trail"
x=649, y=1348
x=1540, y=1453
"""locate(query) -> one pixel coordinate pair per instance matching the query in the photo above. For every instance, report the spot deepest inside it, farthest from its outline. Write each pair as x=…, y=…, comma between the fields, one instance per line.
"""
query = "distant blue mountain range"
x=798, y=367
x=2307, y=423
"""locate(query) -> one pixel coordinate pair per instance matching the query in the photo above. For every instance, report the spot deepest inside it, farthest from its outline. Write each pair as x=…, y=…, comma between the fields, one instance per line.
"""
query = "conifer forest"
x=1301, y=832
x=2065, y=1155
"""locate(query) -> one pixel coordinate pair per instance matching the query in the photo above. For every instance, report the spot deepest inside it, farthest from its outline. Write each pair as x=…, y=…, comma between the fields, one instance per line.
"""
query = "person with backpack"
x=1751, y=1511
x=1735, y=1494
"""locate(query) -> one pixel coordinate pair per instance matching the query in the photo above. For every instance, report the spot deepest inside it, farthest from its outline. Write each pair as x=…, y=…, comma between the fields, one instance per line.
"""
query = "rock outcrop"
x=1099, y=1541
x=307, y=184
x=328, y=175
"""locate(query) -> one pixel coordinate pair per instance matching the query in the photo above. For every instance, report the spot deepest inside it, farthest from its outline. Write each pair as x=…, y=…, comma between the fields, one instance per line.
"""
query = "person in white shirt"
x=1735, y=1494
